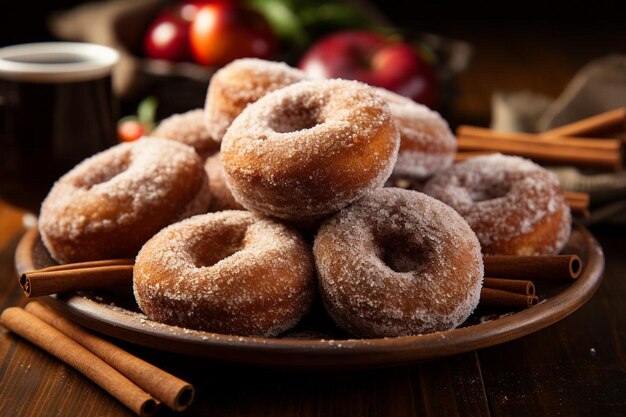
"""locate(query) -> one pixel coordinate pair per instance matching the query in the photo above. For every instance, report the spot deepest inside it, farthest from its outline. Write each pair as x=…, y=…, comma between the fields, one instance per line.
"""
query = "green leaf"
x=283, y=20
x=146, y=112
x=336, y=13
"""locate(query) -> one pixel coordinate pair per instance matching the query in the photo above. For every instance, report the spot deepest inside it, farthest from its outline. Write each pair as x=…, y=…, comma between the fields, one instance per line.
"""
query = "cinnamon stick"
x=547, y=267
x=501, y=298
x=603, y=123
x=172, y=391
x=57, y=344
x=46, y=282
x=605, y=153
x=578, y=202
x=513, y=285
x=576, y=196
x=90, y=264
x=531, y=138
x=546, y=152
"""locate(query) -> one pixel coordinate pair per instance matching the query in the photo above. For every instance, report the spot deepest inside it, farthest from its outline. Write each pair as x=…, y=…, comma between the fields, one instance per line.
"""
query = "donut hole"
x=490, y=191
x=110, y=170
x=294, y=117
x=217, y=246
x=401, y=253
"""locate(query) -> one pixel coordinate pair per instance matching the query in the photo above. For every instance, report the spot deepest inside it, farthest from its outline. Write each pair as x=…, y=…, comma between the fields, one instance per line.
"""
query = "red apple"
x=223, y=31
x=168, y=36
x=373, y=59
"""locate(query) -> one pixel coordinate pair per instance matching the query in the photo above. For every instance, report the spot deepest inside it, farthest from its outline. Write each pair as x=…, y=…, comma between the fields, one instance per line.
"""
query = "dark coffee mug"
x=56, y=108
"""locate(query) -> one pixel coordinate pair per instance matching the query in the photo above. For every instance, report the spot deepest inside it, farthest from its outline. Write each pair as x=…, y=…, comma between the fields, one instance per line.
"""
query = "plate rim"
x=383, y=351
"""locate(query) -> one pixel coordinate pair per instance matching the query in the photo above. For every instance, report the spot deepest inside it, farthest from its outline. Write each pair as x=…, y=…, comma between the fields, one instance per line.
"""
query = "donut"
x=309, y=149
x=230, y=272
x=221, y=197
x=240, y=83
x=398, y=263
x=427, y=144
x=515, y=206
x=188, y=128
x=110, y=204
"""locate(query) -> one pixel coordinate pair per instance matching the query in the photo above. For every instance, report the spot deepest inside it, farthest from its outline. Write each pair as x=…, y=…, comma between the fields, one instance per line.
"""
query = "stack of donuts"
x=241, y=213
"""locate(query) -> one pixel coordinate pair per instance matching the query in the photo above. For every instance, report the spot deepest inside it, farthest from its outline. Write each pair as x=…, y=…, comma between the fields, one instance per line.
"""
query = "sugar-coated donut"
x=396, y=263
x=515, y=206
x=427, y=144
x=309, y=149
x=230, y=272
x=221, y=197
x=188, y=128
x=113, y=202
x=240, y=83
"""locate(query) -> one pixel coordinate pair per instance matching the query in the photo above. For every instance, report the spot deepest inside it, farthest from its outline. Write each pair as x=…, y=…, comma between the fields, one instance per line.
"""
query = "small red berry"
x=130, y=130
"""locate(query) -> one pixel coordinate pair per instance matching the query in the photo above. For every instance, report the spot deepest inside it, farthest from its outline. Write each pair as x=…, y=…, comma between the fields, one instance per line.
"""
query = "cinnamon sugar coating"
x=188, y=128
x=240, y=83
x=309, y=149
x=515, y=206
x=113, y=202
x=221, y=197
x=229, y=272
x=397, y=263
x=427, y=144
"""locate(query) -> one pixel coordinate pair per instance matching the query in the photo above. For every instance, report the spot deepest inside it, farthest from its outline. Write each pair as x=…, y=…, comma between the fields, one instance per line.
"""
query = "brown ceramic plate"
x=316, y=342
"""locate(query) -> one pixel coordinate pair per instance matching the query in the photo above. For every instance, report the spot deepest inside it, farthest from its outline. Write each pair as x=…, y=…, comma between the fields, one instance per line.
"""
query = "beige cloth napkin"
x=598, y=87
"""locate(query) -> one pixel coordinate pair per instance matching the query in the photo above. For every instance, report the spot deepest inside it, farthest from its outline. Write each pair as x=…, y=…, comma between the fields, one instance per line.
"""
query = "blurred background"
x=526, y=46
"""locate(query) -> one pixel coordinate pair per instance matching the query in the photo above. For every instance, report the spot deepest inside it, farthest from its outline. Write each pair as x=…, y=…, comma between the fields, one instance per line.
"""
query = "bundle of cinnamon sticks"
x=138, y=385
x=572, y=144
x=77, y=276
x=514, y=286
